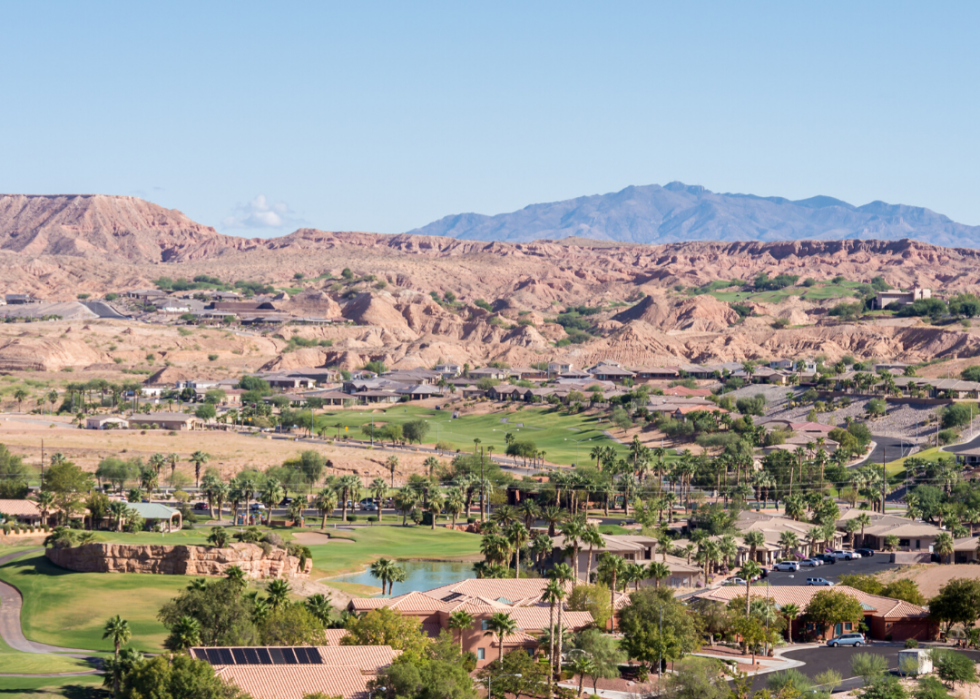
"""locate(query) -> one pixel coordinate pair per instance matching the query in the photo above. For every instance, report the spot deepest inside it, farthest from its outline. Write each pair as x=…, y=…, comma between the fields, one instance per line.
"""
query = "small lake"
x=422, y=575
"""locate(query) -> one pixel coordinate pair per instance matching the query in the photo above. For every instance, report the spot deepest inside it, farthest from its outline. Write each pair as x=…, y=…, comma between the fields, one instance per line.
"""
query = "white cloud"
x=259, y=213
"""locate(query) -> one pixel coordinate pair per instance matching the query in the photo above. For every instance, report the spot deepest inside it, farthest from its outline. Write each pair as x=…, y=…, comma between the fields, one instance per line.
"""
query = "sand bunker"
x=314, y=539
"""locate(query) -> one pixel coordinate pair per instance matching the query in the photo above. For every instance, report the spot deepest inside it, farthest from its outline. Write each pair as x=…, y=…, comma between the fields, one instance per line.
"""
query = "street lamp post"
x=576, y=446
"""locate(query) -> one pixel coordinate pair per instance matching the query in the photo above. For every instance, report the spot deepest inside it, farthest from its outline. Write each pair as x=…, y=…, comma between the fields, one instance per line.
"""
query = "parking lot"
x=832, y=572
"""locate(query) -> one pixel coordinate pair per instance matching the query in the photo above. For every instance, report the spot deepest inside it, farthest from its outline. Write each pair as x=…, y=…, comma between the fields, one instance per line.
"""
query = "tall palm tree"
x=611, y=567
x=658, y=571
x=554, y=594
x=455, y=504
x=379, y=491
x=754, y=539
x=118, y=630
x=501, y=625
x=944, y=546
x=434, y=506
x=392, y=463
x=591, y=537
x=541, y=546
x=198, y=458
x=326, y=503
x=460, y=621
x=173, y=458
x=572, y=530
x=562, y=574
x=750, y=569
x=157, y=461
x=350, y=488
x=552, y=516
x=530, y=512
x=517, y=535
x=864, y=519
x=790, y=611
x=495, y=548
x=319, y=606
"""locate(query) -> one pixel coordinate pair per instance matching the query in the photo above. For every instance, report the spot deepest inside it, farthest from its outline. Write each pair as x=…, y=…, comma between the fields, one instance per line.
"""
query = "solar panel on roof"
x=451, y=596
x=210, y=655
x=314, y=654
x=251, y=657
x=289, y=656
x=307, y=656
x=239, y=655
x=225, y=656
x=264, y=658
x=276, y=655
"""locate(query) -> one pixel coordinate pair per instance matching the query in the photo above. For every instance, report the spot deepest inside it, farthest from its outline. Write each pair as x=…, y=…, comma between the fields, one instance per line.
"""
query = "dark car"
x=865, y=553
x=201, y=506
x=826, y=558
x=285, y=502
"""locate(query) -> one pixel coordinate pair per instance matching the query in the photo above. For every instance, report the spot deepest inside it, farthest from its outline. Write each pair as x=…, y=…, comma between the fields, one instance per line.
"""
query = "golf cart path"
x=11, y=603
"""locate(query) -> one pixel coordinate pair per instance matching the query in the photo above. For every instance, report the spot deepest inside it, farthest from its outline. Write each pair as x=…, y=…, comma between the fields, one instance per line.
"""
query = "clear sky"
x=258, y=118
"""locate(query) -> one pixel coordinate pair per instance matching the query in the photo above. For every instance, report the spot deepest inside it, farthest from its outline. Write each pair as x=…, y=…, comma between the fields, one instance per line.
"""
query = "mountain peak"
x=679, y=212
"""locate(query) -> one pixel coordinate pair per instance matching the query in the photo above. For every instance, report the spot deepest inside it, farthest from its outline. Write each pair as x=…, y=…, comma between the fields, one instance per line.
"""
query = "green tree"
x=415, y=430
x=386, y=627
x=185, y=634
x=219, y=607
x=460, y=621
x=958, y=602
x=604, y=652
x=177, y=677
x=312, y=465
x=640, y=623
x=952, y=667
x=501, y=625
x=13, y=476
x=67, y=482
x=698, y=678
x=218, y=537
x=198, y=458
x=320, y=607
x=20, y=395
x=868, y=666
x=117, y=629
x=830, y=607
x=291, y=625
x=594, y=599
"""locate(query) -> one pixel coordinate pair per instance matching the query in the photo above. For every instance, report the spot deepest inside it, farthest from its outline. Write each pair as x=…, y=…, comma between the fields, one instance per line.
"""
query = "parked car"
x=826, y=558
x=843, y=555
x=847, y=639
x=865, y=553
x=811, y=562
x=823, y=582
x=791, y=566
x=285, y=502
x=256, y=507
x=735, y=581
x=369, y=507
x=200, y=506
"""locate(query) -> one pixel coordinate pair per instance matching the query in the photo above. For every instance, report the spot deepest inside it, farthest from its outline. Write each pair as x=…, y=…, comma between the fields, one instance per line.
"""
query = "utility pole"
x=482, y=481
x=42, y=461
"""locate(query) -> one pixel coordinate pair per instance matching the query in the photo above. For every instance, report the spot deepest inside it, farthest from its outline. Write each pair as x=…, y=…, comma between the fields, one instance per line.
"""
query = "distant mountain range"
x=679, y=213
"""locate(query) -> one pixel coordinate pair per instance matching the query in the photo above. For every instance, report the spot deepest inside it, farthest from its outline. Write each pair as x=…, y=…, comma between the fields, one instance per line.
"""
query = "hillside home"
x=449, y=371
x=166, y=421
x=105, y=422
x=896, y=298
x=559, y=368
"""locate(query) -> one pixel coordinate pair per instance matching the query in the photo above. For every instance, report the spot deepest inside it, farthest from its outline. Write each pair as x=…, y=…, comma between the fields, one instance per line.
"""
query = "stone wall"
x=179, y=560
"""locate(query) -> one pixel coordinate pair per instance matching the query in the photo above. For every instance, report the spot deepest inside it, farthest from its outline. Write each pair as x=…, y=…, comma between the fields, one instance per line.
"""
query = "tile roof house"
x=912, y=536
x=885, y=617
x=292, y=673
x=634, y=549
x=25, y=511
x=481, y=598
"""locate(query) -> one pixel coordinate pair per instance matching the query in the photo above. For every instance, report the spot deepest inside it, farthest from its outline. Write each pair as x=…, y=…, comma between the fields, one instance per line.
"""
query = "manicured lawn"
x=551, y=431
x=35, y=663
x=818, y=292
x=50, y=687
x=63, y=608
x=898, y=465
x=191, y=537
x=371, y=543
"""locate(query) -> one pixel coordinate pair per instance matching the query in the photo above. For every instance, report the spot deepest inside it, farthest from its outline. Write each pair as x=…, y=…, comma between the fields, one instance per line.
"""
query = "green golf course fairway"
x=14, y=661
x=49, y=687
x=548, y=429
x=372, y=543
x=69, y=609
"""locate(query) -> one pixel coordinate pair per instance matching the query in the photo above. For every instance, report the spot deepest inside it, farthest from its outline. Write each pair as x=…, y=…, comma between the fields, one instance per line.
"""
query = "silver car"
x=847, y=639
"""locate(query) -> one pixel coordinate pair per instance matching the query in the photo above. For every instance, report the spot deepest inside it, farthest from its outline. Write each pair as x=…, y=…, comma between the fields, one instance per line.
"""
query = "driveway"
x=821, y=658
x=864, y=566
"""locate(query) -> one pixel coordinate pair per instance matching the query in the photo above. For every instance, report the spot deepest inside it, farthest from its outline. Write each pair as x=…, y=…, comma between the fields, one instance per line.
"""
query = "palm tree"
x=573, y=530
x=944, y=545
x=658, y=571
x=392, y=463
x=379, y=491
x=517, y=535
x=208, y=486
x=495, y=548
x=541, y=546
x=554, y=594
x=750, y=569
x=592, y=537
x=455, y=504
x=20, y=395
x=157, y=461
x=319, y=606
x=790, y=611
x=610, y=568
x=530, y=512
x=789, y=541
x=118, y=630
x=198, y=458
x=237, y=576
x=754, y=540
x=350, y=489
x=278, y=591
x=434, y=506
x=501, y=625
x=460, y=621
x=173, y=459
x=864, y=519
x=561, y=574
x=326, y=503
x=552, y=516
x=45, y=501
x=272, y=494
x=185, y=634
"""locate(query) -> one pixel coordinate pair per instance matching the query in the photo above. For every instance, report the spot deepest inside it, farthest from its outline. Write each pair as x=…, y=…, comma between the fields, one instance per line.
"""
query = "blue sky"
x=258, y=118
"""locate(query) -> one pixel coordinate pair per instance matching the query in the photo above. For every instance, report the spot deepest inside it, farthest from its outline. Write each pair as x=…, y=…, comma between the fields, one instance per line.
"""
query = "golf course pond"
x=422, y=575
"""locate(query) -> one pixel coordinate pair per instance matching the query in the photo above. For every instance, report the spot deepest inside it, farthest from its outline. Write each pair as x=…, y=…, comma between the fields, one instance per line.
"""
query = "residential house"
x=166, y=421
x=377, y=396
x=969, y=457
x=488, y=373
x=420, y=391
x=18, y=299
x=886, y=618
x=105, y=422
x=505, y=392
x=145, y=294
x=609, y=372
x=528, y=373
x=912, y=535
x=559, y=368
x=634, y=549
x=665, y=373
x=896, y=298
x=23, y=511
x=481, y=598
x=158, y=515
x=576, y=375
x=284, y=672
x=449, y=371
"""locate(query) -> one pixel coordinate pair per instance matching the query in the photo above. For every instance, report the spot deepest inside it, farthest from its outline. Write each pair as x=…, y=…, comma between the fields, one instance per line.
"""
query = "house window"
x=848, y=626
x=484, y=626
x=480, y=654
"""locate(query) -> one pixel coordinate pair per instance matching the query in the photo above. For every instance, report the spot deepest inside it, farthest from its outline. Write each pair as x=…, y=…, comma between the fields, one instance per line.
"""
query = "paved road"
x=889, y=448
x=823, y=658
x=11, y=632
x=832, y=572
x=103, y=310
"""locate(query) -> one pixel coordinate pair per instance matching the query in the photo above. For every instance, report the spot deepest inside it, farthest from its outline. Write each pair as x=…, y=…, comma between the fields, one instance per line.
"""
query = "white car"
x=735, y=581
x=811, y=562
x=791, y=566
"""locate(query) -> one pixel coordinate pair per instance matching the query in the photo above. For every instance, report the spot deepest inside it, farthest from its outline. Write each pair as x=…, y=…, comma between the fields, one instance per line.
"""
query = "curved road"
x=12, y=633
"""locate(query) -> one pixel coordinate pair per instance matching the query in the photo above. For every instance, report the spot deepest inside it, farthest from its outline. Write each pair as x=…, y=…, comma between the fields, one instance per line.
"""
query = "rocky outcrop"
x=179, y=560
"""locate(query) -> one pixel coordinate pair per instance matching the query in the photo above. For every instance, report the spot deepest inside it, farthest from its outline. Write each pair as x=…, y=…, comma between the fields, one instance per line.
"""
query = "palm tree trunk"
x=551, y=651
